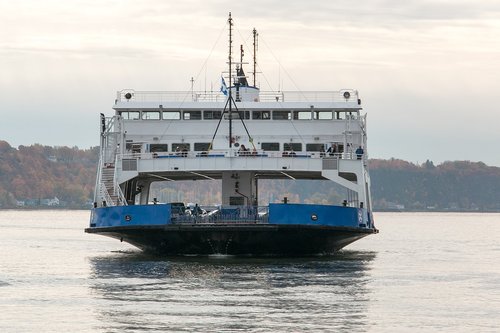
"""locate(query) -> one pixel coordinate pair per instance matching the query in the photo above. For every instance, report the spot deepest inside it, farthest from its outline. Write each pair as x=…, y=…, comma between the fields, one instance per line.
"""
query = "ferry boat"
x=238, y=136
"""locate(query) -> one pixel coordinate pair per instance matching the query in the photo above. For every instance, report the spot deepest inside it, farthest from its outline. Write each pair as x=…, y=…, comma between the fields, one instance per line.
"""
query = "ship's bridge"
x=194, y=123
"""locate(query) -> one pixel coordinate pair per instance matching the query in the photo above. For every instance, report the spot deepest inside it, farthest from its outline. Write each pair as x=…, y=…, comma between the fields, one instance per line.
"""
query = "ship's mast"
x=230, y=101
x=230, y=98
x=255, y=36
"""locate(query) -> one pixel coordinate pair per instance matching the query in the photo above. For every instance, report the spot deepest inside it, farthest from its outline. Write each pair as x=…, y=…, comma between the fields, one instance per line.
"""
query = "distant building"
x=50, y=202
x=395, y=206
x=32, y=202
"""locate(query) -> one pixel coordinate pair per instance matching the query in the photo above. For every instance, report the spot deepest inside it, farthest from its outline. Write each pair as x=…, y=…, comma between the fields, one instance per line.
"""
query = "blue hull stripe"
x=131, y=215
x=317, y=215
x=279, y=214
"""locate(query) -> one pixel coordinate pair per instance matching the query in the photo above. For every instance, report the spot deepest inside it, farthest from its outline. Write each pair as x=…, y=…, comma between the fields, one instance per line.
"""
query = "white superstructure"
x=181, y=136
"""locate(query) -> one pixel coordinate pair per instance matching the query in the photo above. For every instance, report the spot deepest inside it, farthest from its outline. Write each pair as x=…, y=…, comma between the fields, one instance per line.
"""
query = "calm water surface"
x=424, y=272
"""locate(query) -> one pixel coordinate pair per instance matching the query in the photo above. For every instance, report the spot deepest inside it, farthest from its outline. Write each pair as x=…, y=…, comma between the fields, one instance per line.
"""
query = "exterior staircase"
x=107, y=179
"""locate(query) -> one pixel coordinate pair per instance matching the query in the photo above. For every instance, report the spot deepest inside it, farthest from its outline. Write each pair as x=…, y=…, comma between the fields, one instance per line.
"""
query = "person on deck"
x=359, y=152
x=243, y=150
x=332, y=149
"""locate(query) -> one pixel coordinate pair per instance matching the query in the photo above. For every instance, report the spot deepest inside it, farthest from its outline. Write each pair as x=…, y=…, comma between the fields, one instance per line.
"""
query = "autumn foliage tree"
x=457, y=185
x=36, y=172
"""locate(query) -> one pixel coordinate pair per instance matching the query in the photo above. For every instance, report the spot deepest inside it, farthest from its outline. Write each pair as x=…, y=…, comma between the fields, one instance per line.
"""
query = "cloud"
x=381, y=12
x=413, y=61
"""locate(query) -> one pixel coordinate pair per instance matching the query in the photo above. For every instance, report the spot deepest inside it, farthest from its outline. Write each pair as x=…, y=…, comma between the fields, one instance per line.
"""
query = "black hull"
x=247, y=239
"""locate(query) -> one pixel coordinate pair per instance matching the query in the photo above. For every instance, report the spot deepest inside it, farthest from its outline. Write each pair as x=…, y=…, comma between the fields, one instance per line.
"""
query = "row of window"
x=266, y=146
x=211, y=115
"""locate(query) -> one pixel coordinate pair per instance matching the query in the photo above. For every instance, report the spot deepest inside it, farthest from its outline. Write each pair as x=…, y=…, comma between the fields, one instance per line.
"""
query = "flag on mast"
x=223, y=87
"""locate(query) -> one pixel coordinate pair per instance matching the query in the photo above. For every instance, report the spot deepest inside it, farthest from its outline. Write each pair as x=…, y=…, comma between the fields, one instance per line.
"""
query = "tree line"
x=37, y=172
x=451, y=185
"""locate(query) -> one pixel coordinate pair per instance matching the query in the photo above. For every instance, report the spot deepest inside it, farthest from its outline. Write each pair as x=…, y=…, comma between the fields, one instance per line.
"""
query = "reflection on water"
x=140, y=292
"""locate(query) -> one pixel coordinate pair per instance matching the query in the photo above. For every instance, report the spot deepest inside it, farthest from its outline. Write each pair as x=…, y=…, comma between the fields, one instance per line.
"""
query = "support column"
x=239, y=188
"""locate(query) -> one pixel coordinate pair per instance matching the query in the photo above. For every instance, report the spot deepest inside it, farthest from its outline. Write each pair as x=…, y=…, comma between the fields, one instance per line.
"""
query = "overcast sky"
x=428, y=72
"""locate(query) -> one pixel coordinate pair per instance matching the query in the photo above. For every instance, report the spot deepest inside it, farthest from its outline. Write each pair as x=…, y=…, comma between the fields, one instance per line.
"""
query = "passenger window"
x=238, y=115
x=130, y=115
x=292, y=146
x=270, y=146
x=323, y=115
x=281, y=115
x=150, y=115
x=301, y=115
x=211, y=115
x=192, y=115
x=315, y=147
x=180, y=146
x=244, y=114
x=171, y=115
x=261, y=115
x=155, y=148
x=201, y=146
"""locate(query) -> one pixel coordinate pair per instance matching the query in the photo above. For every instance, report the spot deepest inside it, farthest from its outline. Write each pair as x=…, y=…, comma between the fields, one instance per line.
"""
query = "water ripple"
x=232, y=294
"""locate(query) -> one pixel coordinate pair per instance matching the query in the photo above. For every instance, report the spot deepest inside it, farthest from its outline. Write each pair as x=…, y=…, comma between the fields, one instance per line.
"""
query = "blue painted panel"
x=317, y=214
x=131, y=215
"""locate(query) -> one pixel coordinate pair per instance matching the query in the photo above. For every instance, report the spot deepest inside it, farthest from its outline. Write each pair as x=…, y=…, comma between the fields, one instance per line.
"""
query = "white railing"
x=120, y=195
x=235, y=153
x=346, y=95
x=104, y=194
x=101, y=193
x=116, y=187
x=222, y=215
x=98, y=179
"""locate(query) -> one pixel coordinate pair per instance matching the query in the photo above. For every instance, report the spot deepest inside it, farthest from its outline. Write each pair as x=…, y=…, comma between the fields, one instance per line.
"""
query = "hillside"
x=33, y=174
x=458, y=185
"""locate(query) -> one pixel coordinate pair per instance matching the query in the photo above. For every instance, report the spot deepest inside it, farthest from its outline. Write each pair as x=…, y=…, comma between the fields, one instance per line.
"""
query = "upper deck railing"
x=351, y=154
x=346, y=96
